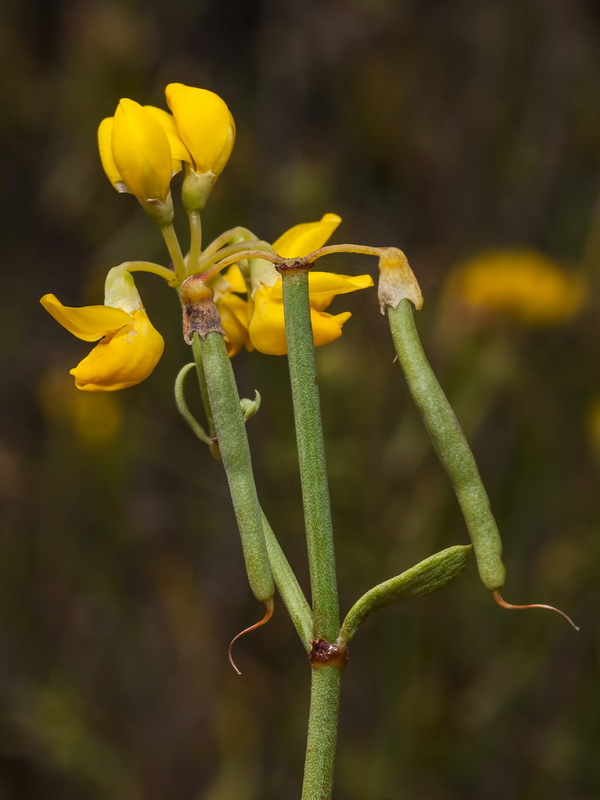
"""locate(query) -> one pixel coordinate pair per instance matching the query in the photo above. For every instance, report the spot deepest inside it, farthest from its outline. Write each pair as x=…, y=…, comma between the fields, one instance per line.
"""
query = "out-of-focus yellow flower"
x=129, y=346
x=95, y=418
x=136, y=155
x=521, y=283
x=207, y=129
x=260, y=323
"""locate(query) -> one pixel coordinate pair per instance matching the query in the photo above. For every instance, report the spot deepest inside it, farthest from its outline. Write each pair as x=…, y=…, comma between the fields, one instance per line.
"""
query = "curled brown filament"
x=269, y=606
x=501, y=602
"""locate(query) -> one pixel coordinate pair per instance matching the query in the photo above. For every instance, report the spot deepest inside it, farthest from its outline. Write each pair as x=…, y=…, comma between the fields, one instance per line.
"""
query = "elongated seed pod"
x=450, y=444
x=235, y=455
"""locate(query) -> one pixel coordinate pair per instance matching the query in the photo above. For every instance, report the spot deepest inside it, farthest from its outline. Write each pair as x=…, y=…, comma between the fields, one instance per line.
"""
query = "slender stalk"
x=208, y=259
x=174, y=249
x=311, y=455
x=322, y=733
x=149, y=266
x=193, y=258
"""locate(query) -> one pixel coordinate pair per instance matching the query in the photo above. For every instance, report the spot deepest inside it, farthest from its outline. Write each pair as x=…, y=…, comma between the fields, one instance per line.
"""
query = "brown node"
x=200, y=313
x=269, y=606
x=501, y=602
x=324, y=653
x=294, y=265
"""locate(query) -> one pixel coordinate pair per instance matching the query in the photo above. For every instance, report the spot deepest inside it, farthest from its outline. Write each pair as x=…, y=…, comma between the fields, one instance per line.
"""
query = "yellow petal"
x=324, y=286
x=141, y=152
x=121, y=359
x=267, y=324
x=308, y=236
x=106, y=157
x=235, y=279
x=89, y=323
x=327, y=327
x=235, y=319
x=179, y=151
x=205, y=125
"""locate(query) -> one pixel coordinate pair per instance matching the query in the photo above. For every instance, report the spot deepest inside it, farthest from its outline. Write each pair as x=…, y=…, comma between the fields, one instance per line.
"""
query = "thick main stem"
x=325, y=680
x=311, y=455
x=322, y=733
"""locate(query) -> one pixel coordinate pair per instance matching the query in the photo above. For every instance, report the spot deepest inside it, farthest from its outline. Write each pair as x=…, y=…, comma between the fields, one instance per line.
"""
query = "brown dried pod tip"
x=269, y=606
x=501, y=602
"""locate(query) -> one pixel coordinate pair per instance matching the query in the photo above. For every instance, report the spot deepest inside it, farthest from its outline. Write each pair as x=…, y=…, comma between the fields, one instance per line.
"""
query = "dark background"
x=444, y=128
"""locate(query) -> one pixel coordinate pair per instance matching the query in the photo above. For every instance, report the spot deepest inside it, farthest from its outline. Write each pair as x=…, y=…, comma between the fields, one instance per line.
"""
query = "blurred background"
x=465, y=133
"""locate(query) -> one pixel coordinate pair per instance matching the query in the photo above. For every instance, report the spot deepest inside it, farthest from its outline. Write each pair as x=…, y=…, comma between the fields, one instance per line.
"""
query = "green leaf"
x=425, y=577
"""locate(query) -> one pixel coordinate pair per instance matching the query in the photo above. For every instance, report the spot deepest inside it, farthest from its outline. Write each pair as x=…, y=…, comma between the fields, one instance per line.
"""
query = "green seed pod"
x=450, y=444
x=425, y=577
x=202, y=328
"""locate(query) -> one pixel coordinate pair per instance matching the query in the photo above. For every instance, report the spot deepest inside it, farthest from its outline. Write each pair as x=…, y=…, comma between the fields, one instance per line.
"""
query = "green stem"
x=174, y=249
x=193, y=258
x=311, y=455
x=322, y=733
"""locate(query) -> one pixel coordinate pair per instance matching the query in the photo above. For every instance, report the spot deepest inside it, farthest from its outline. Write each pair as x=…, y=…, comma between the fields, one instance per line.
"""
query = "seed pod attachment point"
x=327, y=654
x=200, y=313
x=397, y=281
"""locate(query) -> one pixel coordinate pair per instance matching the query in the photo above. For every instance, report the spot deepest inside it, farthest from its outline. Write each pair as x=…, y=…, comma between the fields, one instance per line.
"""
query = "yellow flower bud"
x=136, y=155
x=205, y=126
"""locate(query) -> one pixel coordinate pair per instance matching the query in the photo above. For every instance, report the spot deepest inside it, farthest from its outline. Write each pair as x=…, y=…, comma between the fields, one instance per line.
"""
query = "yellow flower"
x=136, y=155
x=207, y=129
x=204, y=124
x=521, y=283
x=130, y=346
x=260, y=322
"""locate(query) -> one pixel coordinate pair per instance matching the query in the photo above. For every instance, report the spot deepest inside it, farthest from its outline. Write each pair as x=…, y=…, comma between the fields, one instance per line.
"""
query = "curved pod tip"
x=269, y=607
x=501, y=602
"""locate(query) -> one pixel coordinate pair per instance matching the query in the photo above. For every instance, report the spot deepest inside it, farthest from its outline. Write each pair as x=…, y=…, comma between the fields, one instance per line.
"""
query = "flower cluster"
x=141, y=149
x=257, y=322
